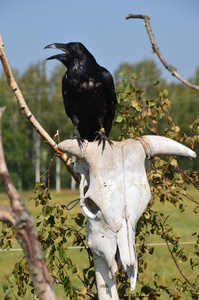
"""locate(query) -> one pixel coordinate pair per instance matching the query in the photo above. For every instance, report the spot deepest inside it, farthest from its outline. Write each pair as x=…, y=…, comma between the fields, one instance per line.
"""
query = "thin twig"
x=87, y=292
x=48, y=187
x=188, y=178
x=156, y=49
x=188, y=196
x=172, y=256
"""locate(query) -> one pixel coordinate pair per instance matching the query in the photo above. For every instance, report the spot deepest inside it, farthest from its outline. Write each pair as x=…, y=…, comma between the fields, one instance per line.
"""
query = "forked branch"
x=156, y=49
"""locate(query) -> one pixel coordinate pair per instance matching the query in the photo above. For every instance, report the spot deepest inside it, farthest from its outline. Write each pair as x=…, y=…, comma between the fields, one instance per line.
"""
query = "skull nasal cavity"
x=91, y=206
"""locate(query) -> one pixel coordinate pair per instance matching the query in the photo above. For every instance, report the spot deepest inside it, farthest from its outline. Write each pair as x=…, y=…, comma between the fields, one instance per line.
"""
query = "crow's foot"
x=102, y=138
x=76, y=136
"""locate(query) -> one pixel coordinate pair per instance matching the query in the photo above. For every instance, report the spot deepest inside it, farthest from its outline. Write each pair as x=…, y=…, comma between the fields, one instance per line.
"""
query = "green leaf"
x=5, y=287
x=151, y=102
x=174, y=162
x=128, y=89
x=196, y=209
x=177, y=236
x=45, y=235
x=123, y=72
x=74, y=270
x=12, y=278
x=151, y=250
x=52, y=235
x=61, y=252
x=134, y=75
x=163, y=93
x=47, y=253
x=121, y=96
x=119, y=119
x=156, y=83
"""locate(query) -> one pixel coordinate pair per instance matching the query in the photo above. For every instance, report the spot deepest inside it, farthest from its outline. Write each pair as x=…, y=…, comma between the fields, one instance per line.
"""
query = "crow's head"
x=72, y=51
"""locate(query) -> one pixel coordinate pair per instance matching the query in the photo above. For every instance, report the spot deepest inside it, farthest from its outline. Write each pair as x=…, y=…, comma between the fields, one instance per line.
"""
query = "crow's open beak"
x=58, y=56
x=57, y=46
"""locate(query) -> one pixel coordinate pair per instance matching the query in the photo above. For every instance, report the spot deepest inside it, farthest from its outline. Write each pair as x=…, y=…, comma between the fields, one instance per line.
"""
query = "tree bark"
x=58, y=179
x=18, y=216
x=37, y=146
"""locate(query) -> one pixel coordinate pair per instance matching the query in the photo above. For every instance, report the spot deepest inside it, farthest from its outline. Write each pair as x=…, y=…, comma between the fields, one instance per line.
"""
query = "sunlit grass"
x=160, y=262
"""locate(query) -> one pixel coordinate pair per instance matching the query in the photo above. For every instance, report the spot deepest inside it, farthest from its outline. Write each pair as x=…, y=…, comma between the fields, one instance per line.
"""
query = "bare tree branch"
x=173, y=257
x=6, y=215
x=169, y=67
x=19, y=216
x=177, y=265
x=33, y=121
x=188, y=178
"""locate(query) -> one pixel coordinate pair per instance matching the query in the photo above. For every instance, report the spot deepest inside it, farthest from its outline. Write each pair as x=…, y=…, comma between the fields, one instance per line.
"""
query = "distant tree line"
x=144, y=107
x=28, y=158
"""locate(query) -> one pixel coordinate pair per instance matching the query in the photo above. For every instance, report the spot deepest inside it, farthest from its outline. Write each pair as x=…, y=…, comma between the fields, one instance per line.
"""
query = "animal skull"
x=114, y=192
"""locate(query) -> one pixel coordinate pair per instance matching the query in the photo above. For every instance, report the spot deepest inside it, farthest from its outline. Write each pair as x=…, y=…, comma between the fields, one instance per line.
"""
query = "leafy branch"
x=140, y=115
x=164, y=233
x=19, y=217
x=177, y=265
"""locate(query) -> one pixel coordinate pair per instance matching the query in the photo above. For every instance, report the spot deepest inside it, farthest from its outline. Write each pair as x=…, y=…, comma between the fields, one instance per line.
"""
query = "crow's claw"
x=76, y=136
x=103, y=138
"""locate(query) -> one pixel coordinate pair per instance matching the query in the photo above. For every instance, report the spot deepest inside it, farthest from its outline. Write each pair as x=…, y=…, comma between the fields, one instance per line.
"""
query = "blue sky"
x=28, y=26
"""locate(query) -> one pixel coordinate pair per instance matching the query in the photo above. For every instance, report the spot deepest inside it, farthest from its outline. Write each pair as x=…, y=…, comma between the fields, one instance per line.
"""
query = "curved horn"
x=154, y=144
x=72, y=147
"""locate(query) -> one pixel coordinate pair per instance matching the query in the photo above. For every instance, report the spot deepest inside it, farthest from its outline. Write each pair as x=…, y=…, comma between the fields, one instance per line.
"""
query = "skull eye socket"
x=90, y=208
x=85, y=189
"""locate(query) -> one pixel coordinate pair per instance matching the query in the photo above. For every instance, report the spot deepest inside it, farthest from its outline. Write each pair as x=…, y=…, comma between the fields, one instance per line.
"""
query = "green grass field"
x=160, y=262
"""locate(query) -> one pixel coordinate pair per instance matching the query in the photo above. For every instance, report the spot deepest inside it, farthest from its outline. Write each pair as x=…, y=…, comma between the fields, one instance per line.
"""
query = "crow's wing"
x=69, y=97
x=111, y=99
x=109, y=87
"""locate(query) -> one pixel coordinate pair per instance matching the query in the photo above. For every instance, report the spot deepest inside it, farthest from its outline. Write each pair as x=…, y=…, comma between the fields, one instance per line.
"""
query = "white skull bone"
x=114, y=193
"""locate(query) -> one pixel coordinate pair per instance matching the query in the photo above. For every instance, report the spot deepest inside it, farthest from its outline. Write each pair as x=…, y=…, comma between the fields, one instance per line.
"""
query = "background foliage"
x=144, y=107
x=42, y=92
x=140, y=115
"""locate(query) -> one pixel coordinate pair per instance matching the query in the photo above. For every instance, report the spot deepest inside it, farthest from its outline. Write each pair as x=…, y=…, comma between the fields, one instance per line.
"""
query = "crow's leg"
x=101, y=136
x=76, y=134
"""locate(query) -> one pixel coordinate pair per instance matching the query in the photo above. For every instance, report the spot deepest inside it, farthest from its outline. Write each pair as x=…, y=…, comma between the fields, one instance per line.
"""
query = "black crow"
x=88, y=93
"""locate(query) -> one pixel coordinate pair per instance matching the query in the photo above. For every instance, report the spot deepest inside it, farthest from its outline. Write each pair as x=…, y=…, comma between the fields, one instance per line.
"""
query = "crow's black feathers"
x=88, y=93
